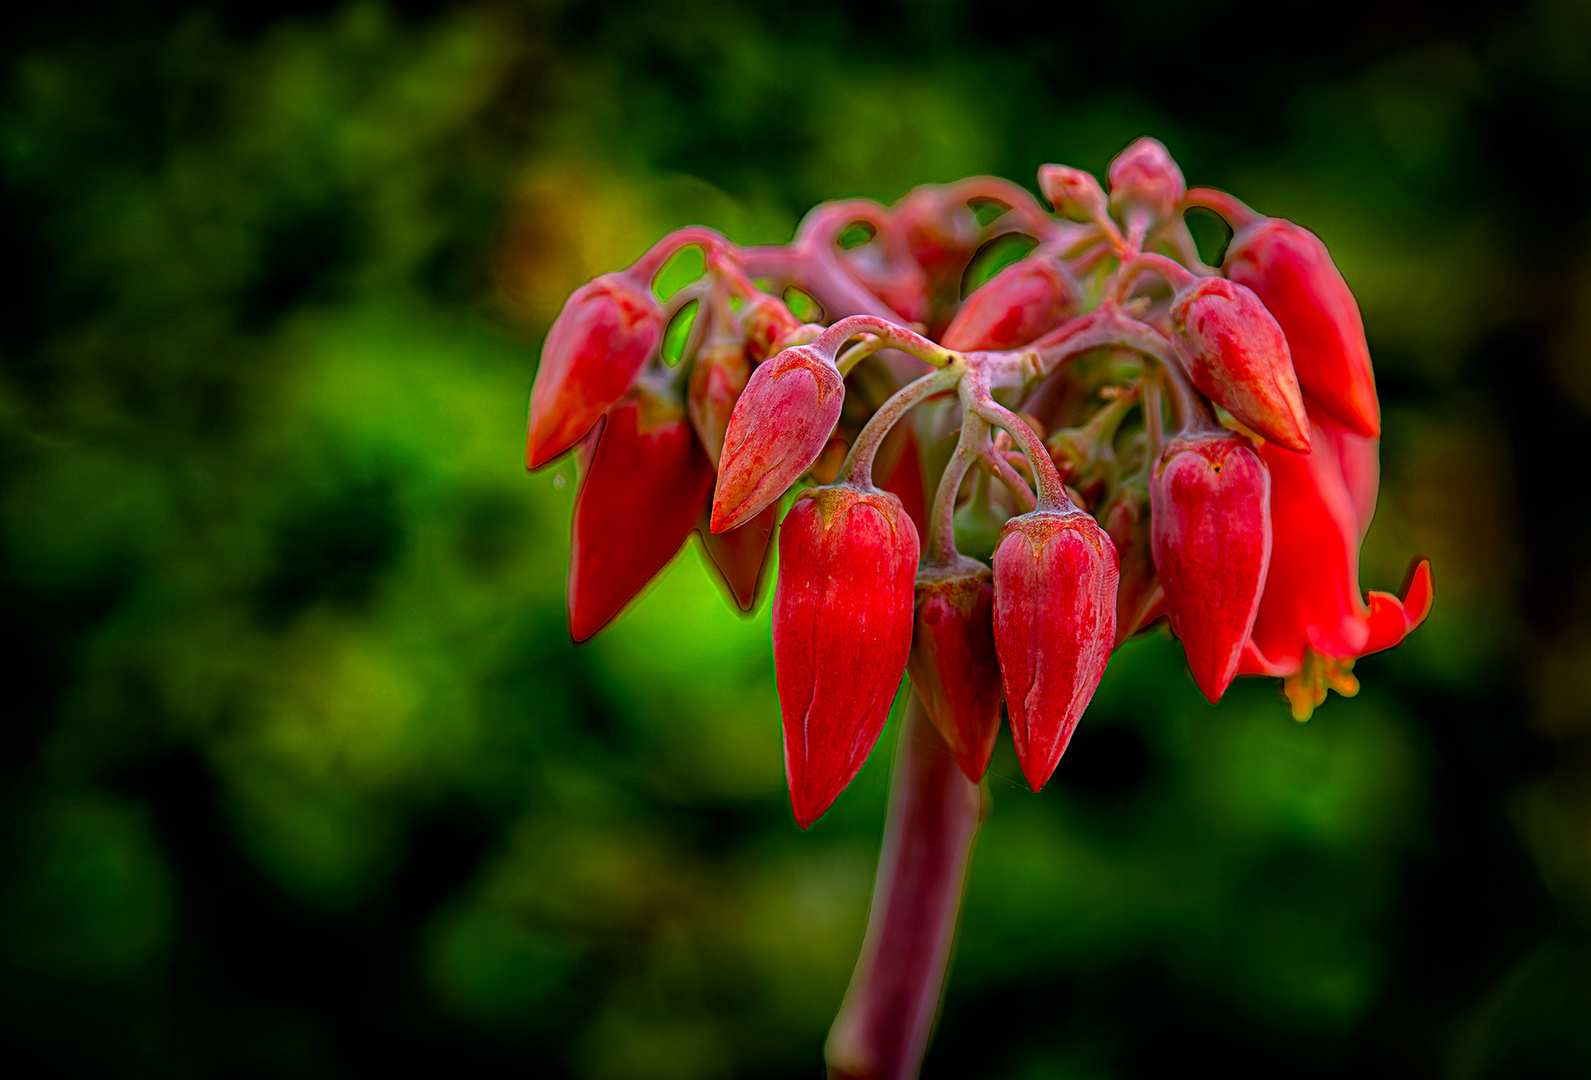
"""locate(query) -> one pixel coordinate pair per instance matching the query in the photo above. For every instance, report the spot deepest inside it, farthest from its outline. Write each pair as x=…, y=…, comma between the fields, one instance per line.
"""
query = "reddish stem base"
x=934, y=815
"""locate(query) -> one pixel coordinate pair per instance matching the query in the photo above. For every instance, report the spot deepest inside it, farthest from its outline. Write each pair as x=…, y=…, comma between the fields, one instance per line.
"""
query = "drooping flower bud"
x=777, y=430
x=1055, y=578
x=1212, y=545
x=740, y=556
x=842, y=625
x=1140, y=599
x=899, y=281
x=1238, y=357
x=1144, y=178
x=1019, y=304
x=767, y=320
x=941, y=233
x=898, y=469
x=953, y=663
x=638, y=501
x=606, y=331
x=1075, y=194
x=719, y=375
x=1291, y=271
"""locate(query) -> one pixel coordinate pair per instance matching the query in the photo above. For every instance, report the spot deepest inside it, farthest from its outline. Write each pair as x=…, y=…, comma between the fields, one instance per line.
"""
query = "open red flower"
x=1312, y=621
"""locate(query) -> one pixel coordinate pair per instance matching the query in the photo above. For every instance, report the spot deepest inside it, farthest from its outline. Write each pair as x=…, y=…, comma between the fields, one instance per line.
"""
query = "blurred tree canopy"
x=301, y=773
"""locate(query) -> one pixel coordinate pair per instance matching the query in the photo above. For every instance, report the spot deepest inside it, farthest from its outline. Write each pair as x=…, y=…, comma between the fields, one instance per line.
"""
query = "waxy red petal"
x=605, y=333
x=903, y=476
x=1359, y=458
x=1140, y=599
x=739, y=556
x=777, y=430
x=1212, y=544
x=842, y=624
x=767, y=320
x=1392, y=619
x=718, y=377
x=1145, y=175
x=1291, y=271
x=1237, y=355
x=1311, y=598
x=1055, y=578
x=954, y=665
x=638, y=501
x=1018, y=305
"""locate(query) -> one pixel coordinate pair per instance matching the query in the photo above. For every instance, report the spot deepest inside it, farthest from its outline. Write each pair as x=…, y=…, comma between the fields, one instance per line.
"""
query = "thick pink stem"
x=934, y=814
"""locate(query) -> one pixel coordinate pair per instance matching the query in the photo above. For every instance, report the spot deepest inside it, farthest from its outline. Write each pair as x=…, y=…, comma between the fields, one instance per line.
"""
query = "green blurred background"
x=301, y=775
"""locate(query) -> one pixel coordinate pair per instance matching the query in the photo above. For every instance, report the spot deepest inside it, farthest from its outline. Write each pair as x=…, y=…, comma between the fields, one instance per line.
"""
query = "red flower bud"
x=1075, y=194
x=1055, y=578
x=900, y=283
x=953, y=663
x=740, y=555
x=941, y=233
x=638, y=501
x=767, y=320
x=1212, y=544
x=607, y=329
x=1144, y=176
x=1238, y=357
x=898, y=469
x=842, y=627
x=717, y=379
x=1019, y=304
x=1140, y=600
x=777, y=430
x=1291, y=271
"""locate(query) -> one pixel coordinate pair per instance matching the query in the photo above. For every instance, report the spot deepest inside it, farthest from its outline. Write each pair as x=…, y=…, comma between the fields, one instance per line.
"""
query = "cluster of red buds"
x=1112, y=431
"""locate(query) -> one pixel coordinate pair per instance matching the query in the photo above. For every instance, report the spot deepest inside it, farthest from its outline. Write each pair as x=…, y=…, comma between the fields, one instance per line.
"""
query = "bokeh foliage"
x=302, y=775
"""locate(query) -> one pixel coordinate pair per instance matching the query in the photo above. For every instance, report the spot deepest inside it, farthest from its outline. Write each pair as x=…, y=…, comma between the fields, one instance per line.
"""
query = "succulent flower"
x=1054, y=628
x=1144, y=499
x=606, y=331
x=842, y=628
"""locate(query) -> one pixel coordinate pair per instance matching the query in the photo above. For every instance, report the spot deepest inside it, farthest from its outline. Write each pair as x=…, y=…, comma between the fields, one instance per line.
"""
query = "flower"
x=606, y=331
x=842, y=628
x=1055, y=576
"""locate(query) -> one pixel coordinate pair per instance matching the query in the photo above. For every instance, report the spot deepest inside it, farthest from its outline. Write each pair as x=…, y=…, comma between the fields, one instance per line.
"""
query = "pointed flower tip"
x=842, y=628
x=1238, y=357
x=1291, y=271
x=953, y=663
x=1392, y=619
x=778, y=428
x=601, y=339
x=1419, y=593
x=1055, y=581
